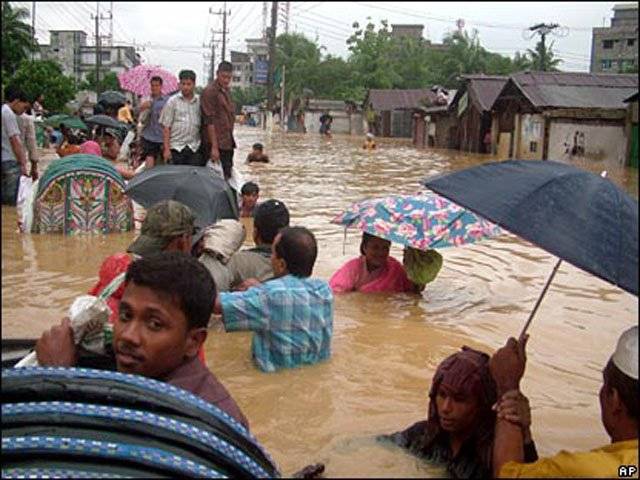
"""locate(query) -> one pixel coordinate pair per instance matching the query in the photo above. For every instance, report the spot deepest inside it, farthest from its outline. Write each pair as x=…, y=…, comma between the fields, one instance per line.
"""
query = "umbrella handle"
x=542, y=294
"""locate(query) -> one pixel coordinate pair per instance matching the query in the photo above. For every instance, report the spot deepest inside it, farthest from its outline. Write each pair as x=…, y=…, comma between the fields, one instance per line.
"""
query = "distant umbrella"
x=112, y=98
x=138, y=80
x=74, y=122
x=54, y=120
x=104, y=121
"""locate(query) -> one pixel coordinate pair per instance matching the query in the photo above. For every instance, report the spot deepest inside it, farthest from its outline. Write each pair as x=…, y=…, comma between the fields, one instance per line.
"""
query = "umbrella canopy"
x=112, y=98
x=138, y=80
x=74, y=122
x=105, y=121
x=54, y=120
x=421, y=221
x=573, y=214
x=207, y=194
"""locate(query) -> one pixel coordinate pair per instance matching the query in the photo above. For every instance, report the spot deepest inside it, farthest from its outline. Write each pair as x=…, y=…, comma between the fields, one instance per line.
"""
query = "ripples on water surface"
x=385, y=347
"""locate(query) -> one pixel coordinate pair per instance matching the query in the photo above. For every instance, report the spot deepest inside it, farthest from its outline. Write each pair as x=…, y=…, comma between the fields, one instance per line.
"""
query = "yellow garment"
x=369, y=145
x=600, y=462
x=124, y=115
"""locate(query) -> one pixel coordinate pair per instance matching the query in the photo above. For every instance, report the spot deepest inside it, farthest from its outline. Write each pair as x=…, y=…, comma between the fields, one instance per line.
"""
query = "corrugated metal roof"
x=576, y=90
x=442, y=108
x=382, y=100
x=486, y=89
x=632, y=98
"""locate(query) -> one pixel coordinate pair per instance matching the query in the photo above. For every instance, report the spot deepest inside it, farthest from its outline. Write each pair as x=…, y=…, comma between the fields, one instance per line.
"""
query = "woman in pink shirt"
x=373, y=271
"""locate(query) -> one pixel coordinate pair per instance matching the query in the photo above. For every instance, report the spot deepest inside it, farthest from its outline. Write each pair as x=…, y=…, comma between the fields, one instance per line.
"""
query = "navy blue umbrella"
x=582, y=218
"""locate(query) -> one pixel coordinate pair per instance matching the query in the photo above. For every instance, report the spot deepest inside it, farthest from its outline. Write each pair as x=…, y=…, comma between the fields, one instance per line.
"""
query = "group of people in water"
x=175, y=277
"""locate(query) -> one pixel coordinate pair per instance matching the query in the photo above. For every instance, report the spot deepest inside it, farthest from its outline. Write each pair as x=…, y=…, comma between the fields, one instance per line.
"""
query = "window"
x=236, y=79
x=105, y=56
x=533, y=147
x=606, y=44
x=631, y=42
x=606, y=64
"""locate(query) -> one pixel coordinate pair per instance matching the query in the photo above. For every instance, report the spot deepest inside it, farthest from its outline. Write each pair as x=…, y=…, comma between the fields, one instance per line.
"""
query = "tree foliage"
x=17, y=43
x=542, y=58
x=45, y=76
x=108, y=81
x=247, y=96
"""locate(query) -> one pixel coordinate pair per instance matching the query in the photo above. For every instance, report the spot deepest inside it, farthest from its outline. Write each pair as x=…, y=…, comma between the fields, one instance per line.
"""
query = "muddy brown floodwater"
x=385, y=347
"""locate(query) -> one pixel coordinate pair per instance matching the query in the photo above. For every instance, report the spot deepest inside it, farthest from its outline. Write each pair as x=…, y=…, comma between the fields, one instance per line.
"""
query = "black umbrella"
x=575, y=215
x=112, y=98
x=199, y=188
x=104, y=121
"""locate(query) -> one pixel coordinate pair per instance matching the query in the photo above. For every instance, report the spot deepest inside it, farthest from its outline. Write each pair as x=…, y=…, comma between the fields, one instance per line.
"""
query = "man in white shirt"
x=13, y=160
x=180, y=120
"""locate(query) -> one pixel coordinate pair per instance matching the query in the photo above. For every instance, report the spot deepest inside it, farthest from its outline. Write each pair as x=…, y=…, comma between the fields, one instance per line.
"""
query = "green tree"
x=301, y=57
x=521, y=62
x=108, y=81
x=247, y=96
x=371, y=56
x=17, y=43
x=542, y=58
x=45, y=76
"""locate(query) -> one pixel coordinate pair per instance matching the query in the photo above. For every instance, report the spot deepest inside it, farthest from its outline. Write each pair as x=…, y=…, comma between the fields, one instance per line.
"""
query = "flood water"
x=385, y=347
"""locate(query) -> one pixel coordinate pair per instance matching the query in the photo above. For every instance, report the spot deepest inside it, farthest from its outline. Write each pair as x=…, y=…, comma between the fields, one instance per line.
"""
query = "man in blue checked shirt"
x=292, y=314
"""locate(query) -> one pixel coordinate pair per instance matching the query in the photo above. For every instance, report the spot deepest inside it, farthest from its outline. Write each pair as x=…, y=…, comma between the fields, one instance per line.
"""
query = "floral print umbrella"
x=138, y=80
x=421, y=221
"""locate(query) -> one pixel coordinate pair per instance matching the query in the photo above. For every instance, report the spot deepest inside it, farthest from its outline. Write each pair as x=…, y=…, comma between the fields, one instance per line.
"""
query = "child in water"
x=250, y=193
x=369, y=142
x=257, y=154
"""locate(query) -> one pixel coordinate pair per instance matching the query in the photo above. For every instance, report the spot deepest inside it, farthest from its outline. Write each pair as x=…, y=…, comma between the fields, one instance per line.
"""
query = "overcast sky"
x=176, y=35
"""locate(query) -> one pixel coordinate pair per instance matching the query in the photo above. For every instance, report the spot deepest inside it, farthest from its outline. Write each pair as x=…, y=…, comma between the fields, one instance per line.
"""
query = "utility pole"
x=282, y=115
x=33, y=30
x=272, y=55
x=264, y=20
x=97, y=19
x=111, y=24
x=224, y=32
x=543, y=29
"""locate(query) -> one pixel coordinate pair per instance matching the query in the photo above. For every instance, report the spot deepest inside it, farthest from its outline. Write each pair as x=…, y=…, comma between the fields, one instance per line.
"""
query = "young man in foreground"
x=163, y=318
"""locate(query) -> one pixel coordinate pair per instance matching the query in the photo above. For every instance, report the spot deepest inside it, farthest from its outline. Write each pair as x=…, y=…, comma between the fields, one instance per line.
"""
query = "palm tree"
x=17, y=39
x=542, y=58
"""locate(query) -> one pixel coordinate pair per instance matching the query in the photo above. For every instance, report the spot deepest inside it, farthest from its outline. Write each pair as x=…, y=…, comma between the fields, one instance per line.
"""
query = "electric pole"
x=272, y=55
x=224, y=32
x=97, y=19
x=33, y=30
x=543, y=29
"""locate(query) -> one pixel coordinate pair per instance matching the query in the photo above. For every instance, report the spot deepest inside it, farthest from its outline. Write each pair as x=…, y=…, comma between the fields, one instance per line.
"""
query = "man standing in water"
x=152, y=132
x=619, y=404
x=218, y=115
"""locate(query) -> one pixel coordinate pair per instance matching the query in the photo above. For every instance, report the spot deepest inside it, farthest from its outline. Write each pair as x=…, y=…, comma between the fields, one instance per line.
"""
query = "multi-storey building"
x=614, y=49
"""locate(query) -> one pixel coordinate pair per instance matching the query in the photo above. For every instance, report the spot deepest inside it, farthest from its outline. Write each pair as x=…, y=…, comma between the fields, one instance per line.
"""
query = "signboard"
x=260, y=72
x=463, y=103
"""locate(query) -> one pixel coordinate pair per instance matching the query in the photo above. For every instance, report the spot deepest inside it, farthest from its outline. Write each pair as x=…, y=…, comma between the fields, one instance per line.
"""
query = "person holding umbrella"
x=619, y=401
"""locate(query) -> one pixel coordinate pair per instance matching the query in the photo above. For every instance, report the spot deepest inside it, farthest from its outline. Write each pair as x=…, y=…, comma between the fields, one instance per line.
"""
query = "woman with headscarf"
x=458, y=432
x=71, y=140
x=376, y=271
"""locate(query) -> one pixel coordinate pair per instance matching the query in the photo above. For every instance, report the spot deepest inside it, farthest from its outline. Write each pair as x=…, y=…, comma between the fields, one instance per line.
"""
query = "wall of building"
x=615, y=48
x=340, y=122
x=529, y=141
x=593, y=141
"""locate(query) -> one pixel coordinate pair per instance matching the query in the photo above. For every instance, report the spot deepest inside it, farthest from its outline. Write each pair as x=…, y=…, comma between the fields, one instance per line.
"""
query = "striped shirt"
x=291, y=317
x=183, y=118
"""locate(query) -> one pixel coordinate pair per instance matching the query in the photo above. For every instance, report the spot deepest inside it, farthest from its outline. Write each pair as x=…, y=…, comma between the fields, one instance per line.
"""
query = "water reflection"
x=385, y=347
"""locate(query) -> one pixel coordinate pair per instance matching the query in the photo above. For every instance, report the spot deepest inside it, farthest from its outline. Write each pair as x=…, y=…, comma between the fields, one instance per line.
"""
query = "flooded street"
x=385, y=347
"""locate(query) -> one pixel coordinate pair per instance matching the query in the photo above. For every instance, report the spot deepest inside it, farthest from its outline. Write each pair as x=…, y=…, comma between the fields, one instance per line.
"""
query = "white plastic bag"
x=24, y=194
x=88, y=315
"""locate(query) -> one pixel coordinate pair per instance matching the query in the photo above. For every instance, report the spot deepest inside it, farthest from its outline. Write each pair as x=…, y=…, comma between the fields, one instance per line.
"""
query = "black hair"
x=298, y=247
x=257, y=146
x=187, y=75
x=250, y=188
x=14, y=92
x=181, y=277
x=626, y=386
x=268, y=218
x=156, y=78
x=225, y=66
x=366, y=237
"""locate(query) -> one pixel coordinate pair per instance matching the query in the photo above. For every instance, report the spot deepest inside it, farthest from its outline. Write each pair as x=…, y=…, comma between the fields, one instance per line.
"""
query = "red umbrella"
x=138, y=80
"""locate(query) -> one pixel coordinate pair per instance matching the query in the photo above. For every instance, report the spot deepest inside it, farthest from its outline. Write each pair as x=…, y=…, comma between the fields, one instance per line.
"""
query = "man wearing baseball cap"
x=619, y=404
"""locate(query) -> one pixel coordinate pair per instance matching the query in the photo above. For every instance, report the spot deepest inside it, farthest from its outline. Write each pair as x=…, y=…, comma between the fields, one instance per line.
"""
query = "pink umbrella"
x=138, y=80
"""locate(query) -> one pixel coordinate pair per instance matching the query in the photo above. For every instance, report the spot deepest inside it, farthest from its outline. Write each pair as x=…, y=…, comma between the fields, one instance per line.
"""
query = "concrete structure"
x=70, y=50
x=472, y=108
x=614, y=49
x=242, y=69
x=411, y=31
x=559, y=116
